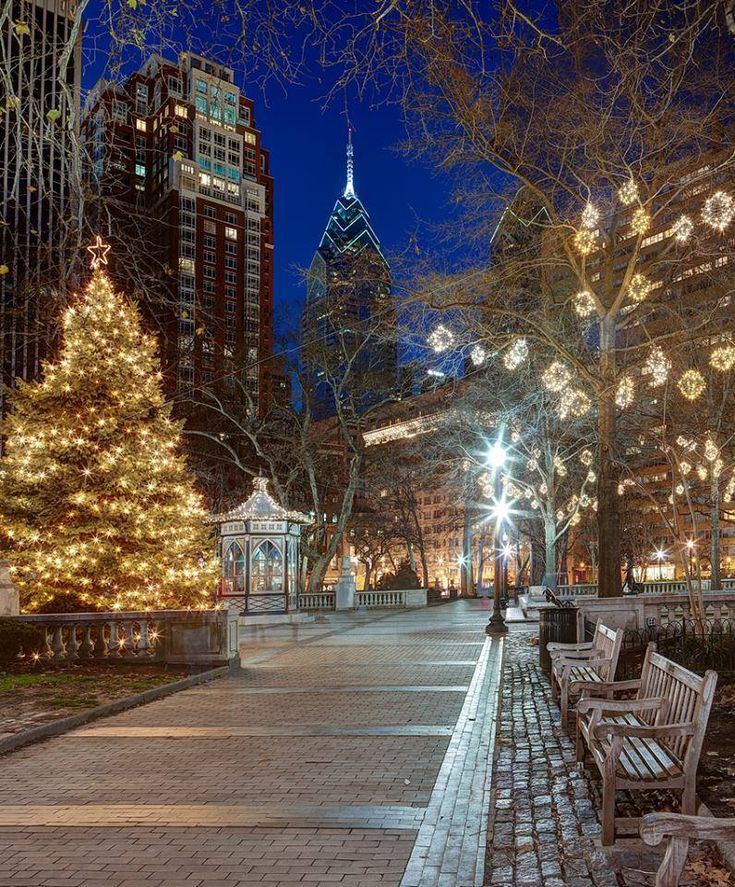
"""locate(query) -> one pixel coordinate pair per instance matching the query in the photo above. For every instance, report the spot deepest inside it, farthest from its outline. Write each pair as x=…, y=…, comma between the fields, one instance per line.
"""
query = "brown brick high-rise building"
x=188, y=200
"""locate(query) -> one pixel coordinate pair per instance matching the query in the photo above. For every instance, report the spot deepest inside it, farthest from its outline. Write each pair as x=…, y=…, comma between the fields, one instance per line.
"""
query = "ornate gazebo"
x=259, y=544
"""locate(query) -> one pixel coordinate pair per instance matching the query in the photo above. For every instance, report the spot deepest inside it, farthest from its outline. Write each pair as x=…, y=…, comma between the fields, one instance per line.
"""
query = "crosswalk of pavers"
x=355, y=752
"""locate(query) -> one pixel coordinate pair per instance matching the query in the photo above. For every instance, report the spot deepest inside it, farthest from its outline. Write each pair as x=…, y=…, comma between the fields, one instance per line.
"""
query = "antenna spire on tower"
x=350, y=186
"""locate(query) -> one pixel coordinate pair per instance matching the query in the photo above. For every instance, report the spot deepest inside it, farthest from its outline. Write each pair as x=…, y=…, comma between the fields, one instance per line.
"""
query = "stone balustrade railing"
x=648, y=610
x=323, y=600
x=672, y=586
x=190, y=637
x=372, y=599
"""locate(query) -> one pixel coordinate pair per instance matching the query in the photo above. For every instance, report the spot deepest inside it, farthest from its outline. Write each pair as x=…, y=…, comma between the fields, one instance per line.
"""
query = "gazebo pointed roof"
x=261, y=506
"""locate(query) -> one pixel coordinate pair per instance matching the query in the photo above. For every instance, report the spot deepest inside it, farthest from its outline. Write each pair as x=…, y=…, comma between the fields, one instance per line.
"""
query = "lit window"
x=202, y=86
x=140, y=169
x=181, y=110
x=231, y=233
x=205, y=179
x=249, y=137
x=140, y=124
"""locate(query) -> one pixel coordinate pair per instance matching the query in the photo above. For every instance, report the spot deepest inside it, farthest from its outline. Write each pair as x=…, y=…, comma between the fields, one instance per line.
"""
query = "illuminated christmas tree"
x=95, y=500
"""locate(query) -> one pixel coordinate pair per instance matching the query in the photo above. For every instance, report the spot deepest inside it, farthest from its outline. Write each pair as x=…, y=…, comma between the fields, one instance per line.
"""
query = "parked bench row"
x=650, y=740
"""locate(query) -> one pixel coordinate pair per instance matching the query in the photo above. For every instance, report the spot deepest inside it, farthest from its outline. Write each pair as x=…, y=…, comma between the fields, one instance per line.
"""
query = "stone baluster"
x=86, y=648
x=113, y=645
x=127, y=647
x=100, y=643
x=72, y=644
x=58, y=653
x=143, y=646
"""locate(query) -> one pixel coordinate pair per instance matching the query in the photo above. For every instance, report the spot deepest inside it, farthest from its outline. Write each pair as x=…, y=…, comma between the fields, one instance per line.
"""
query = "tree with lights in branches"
x=600, y=200
x=98, y=509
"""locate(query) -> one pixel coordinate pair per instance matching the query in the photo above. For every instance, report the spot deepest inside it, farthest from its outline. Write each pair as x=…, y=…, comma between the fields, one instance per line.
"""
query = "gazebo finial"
x=260, y=484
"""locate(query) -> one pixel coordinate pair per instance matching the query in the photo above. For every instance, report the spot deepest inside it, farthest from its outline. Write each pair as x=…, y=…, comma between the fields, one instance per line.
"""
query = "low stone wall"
x=374, y=599
x=645, y=611
x=197, y=638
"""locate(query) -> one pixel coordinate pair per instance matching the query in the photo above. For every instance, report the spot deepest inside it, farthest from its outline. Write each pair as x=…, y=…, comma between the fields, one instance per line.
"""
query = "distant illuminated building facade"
x=349, y=323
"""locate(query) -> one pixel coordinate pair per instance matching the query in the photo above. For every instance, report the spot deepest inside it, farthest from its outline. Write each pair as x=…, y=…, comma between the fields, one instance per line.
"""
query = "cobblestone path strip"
x=363, y=749
x=543, y=824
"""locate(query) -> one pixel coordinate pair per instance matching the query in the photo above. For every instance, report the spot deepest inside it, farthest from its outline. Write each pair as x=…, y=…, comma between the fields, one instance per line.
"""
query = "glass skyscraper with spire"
x=349, y=322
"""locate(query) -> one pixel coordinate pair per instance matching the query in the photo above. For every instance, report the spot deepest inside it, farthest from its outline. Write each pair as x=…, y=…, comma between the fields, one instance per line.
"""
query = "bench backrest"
x=690, y=700
x=607, y=643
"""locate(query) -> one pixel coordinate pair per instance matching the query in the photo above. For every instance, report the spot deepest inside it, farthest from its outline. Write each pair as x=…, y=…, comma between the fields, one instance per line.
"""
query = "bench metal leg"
x=564, y=705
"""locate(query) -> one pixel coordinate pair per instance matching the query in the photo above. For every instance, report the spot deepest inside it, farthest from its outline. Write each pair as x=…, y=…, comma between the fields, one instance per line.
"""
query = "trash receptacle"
x=556, y=625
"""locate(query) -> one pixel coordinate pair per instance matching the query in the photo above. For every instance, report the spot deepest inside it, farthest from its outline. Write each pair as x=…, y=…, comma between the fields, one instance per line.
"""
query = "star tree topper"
x=98, y=251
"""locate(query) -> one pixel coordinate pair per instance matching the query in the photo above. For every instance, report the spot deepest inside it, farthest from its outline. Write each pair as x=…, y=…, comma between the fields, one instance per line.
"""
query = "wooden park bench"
x=652, y=741
x=680, y=830
x=573, y=666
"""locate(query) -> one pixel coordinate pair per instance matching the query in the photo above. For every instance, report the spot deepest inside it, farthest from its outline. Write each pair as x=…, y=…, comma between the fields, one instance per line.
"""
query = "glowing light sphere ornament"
x=556, y=376
x=718, y=210
x=584, y=303
x=625, y=395
x=723, y=358
x=585, y=241
x=628, y=192
x=590, y=216
x=683, y=228
x=478, y=355
x=516, y=355
x=657, y=365
x=573, y=402
x=441, y=339
x=639, y=288
x=641, y=221
x=691, y=384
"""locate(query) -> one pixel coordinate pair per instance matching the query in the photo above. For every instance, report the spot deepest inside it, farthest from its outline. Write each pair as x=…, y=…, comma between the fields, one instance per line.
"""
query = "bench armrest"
x=621, y=706
x=579, y=655
x=605, y=729
x=557, y=646
x=604, y=688
x=656, y=826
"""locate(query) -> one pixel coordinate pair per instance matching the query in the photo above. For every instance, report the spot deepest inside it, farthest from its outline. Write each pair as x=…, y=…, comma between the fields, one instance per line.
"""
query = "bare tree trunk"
x=608, y=501
x=549, y=550
x=480, y=564
x=368, y=575
x=714, y=557
x=465, y=568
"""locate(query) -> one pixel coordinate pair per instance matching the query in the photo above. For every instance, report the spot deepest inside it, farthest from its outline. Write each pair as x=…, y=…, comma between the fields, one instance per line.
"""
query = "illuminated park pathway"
x=357, y=751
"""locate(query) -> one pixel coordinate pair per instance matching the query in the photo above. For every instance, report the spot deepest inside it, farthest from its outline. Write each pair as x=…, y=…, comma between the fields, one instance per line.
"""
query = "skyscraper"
x=349, y=323
x=40, y=52
x=176, y=155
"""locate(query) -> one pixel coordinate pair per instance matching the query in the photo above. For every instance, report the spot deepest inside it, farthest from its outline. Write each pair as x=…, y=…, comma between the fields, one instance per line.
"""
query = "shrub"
x=19, y=637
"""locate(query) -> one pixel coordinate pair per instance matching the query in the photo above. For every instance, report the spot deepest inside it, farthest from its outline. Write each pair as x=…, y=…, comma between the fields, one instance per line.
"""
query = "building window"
x=230, y=277
x=210, y=212
x=245, y=115
x=210, y=257
x=141, y=98
x=230, y=233
x=181, y=110
x=202, y=105
x=202, y=86
x=267, y=568
x=209, y=271
x=140, y=124
x=120, y=112
x=230, y=262
x=140, y=170
x=231, y=218
x=210, y=242
x=174, y=86
x=230, y=307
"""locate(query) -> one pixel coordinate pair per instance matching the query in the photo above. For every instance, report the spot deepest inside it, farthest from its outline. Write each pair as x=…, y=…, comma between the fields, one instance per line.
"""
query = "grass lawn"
x=30, y=698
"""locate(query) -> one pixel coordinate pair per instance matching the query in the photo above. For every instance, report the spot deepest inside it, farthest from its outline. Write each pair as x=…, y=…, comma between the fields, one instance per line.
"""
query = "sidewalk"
x=355, y=752
x=543, y=824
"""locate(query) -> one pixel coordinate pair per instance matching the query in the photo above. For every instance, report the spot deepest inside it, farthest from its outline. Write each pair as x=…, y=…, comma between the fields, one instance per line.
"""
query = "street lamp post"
x=496, y=460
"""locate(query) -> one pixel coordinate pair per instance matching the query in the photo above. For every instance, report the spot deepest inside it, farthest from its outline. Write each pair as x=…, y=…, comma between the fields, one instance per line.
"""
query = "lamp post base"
x=497, y=624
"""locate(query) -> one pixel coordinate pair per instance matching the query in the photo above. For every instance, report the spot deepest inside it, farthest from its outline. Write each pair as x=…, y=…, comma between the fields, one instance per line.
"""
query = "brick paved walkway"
x=356, y=752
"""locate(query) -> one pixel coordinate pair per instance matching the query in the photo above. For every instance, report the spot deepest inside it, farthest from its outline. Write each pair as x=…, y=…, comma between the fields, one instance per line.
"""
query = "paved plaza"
x=357, y=752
